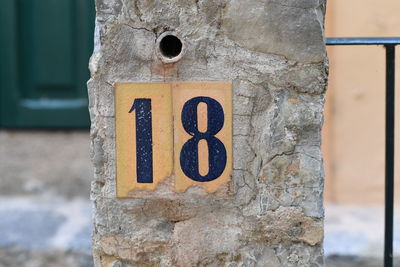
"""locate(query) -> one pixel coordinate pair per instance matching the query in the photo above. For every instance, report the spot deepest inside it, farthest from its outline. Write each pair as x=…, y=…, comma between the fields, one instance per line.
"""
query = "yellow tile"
x=148, y=106
x=202, y=146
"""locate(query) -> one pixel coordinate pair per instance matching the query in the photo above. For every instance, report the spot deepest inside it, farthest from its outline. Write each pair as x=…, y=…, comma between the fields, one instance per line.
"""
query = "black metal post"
x=389, y=155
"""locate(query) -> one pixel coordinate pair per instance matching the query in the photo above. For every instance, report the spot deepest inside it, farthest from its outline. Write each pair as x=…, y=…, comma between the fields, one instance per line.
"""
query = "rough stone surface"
x=273, y=52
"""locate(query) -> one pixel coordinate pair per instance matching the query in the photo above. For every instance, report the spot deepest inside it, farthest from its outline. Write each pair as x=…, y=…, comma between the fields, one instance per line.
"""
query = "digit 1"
x=144, y=140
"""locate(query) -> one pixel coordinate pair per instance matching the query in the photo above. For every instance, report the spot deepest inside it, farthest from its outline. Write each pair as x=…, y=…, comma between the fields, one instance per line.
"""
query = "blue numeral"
x=216, y=150
x=144, y=140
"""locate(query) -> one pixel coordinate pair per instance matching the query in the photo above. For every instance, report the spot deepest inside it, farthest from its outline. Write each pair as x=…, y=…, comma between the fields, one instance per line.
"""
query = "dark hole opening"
x=170, y=46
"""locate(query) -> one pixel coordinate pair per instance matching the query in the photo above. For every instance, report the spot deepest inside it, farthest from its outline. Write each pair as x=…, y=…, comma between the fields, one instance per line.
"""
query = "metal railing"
x=389, y=44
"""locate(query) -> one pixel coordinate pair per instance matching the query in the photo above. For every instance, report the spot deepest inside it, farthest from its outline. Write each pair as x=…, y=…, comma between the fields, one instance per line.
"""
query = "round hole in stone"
x=170, y=46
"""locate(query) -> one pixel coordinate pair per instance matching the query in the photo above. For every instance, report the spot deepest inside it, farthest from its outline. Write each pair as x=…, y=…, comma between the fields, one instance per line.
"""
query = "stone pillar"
x=273, y=53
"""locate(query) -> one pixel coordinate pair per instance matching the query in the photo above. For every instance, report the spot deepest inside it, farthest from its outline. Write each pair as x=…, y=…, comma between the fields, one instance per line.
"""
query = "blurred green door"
x=44, y=53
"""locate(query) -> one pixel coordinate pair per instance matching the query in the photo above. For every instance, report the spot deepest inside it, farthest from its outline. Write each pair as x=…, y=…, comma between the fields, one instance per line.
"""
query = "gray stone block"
x=273, y=52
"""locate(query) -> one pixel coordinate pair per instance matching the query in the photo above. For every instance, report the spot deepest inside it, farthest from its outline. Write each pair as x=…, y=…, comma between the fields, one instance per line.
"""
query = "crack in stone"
x=137, y=28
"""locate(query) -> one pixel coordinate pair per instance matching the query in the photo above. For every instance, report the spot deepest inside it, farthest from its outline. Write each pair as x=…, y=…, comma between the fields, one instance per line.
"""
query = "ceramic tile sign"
x=144, y=148
x=173, y=139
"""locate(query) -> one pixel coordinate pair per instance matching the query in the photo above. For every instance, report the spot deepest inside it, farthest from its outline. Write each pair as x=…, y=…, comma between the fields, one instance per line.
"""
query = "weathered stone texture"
x=273, y=52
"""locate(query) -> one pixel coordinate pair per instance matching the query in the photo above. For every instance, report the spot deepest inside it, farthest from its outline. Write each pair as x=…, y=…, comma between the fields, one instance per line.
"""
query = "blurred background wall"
x=45, y=170
x=353, y=134
x=354, y=127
